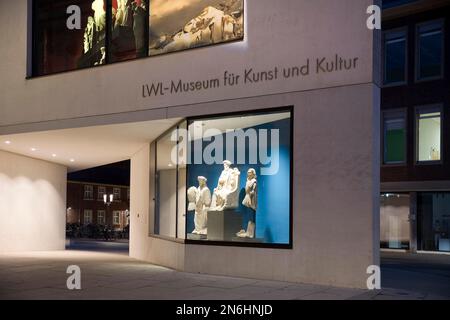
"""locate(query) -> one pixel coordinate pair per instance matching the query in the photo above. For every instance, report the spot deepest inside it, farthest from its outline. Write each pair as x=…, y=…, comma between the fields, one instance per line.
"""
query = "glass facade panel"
x=182, y=167
x=430, y=44
x=119, y=30
x=395, y=57
x=128, y=30
x=434, y=221
x=165, y=187
x=394, y=221
x=58, y=48
x=238, y=179
x=186, y=24
x=429, y=134
x=394, y=137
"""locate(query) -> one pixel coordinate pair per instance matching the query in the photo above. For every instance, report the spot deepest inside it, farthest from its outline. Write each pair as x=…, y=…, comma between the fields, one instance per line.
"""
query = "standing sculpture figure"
x=250, y=202
x=202, y=201
x=139, y=20
x=89, y=35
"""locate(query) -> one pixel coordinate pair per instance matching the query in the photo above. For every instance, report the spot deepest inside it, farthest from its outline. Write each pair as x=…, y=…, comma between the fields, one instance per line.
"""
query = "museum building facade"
x=253, y=136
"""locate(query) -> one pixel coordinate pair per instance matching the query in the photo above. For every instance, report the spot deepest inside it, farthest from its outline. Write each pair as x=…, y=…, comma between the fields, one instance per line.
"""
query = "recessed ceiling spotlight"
x=33, y=149
x=54, y=155
x=8, y=142
x=72, y=160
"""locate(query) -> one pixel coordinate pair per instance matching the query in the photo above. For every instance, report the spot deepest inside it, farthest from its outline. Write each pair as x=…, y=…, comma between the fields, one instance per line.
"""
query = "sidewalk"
x=42, y=275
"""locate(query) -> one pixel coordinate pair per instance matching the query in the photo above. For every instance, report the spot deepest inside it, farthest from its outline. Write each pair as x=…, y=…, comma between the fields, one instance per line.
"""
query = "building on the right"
x=415, y=126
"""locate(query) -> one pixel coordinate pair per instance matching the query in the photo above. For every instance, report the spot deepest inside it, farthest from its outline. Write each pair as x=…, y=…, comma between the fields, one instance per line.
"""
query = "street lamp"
x=108, y=201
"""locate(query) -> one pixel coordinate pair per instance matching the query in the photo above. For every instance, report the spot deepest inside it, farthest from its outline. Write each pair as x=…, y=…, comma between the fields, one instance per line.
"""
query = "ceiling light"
x=54, y=155
x=170, y=165
x=8, y=142
x=72, y=160
x=33, y=149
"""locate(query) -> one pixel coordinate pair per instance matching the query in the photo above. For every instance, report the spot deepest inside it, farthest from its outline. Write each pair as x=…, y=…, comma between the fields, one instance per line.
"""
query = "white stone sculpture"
x=226, y=194
x=99, y=14
x=251, y=195
x=89, y=35
x=250, y=201
x=199, y=200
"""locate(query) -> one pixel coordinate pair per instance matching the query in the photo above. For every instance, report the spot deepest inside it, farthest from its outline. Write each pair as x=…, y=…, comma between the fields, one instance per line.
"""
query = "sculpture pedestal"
x=194, y=236
x=248, y=240
x=223, y=225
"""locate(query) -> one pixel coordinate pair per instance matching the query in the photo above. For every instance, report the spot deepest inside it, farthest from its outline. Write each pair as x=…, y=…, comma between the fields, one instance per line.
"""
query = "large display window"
x=226, y=180
x=69, y=35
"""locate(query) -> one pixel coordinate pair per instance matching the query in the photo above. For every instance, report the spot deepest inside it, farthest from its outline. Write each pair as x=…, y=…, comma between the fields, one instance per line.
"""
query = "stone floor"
x=42, y=275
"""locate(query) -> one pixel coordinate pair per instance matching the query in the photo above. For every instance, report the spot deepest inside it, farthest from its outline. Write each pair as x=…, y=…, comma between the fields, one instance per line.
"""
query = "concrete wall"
x=336, y=202
x=336, y=189
x=32, y=204
x=278, y=34
x=158, y=251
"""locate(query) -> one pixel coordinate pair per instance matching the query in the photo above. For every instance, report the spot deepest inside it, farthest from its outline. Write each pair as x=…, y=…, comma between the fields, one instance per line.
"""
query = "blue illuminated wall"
x=273, y=212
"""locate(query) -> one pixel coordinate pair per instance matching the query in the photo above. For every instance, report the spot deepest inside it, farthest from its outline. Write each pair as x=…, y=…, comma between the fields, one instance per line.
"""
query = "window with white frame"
x=116, y=192
x=88, y=192
x=429, y=133
x=395, y=57
x=101, y=192
x=101, y=214
x=116, y=217
x=430, y=50
x=87, y=216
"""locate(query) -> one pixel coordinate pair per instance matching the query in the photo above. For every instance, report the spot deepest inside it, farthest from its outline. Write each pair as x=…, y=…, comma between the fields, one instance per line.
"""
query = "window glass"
x=185, y=24
x=166, y=187
x=116, y=193
x=87, y=217
x=58, y=48
x=430, y=50
x=434, y=221
x=394, y=221
x=238, y=179
x=88, y=192
x=116, y=218
x=394, y=137
x=395, y=57
x=182, y=154
x=101, y=217
x=429, y=134
x=101, y=192
x=128, y=29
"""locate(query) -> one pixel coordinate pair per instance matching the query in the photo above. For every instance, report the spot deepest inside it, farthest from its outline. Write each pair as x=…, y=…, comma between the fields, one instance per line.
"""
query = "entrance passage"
x=44, y=205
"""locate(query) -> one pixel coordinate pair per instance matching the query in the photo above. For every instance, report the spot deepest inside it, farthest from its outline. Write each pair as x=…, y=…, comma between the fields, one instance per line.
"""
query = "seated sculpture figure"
x=226, y=194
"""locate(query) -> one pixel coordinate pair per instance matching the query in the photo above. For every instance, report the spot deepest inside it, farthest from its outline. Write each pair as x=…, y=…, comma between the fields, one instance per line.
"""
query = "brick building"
x=415, y=131
x=85, y=204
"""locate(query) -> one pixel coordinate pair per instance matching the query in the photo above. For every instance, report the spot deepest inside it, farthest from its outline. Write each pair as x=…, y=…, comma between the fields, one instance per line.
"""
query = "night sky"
x=115, y=173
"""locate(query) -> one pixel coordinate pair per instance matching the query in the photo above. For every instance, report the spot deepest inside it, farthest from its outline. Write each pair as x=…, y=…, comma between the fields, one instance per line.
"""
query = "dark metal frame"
x=417, y=78
x=289, y=109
